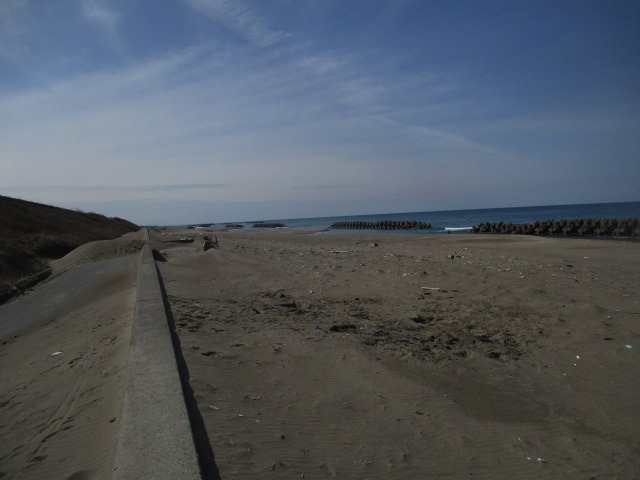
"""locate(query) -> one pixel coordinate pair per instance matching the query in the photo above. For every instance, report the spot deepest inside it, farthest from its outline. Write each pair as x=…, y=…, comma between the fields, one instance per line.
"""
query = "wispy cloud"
x=261, y=126
x=240, y=18
x=115, y=189
x=102, y=14
x=324, y=187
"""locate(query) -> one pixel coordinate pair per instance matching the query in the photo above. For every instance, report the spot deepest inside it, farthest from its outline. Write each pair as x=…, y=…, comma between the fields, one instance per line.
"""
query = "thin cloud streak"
x=115, y=189
x=237, y=125
x=324, y=187
x=99, y=12
x=238, y=17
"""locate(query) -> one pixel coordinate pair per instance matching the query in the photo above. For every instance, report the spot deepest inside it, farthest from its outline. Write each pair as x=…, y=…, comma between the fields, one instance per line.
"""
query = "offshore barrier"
x=386, y=225
x=269, y=225
x=588, y=227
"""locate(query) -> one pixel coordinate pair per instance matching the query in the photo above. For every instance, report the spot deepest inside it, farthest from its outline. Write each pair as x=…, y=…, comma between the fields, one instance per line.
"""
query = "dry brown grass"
x=31, y=234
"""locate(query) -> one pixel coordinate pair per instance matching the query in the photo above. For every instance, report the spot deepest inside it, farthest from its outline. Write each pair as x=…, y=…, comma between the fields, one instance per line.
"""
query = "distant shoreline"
x=456, y=218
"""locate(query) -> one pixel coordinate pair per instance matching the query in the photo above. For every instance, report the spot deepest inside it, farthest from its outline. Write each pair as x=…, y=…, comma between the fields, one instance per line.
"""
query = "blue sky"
x=188, y=111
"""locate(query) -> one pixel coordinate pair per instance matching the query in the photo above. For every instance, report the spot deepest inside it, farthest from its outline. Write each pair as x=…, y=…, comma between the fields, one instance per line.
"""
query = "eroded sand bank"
x=62, y=380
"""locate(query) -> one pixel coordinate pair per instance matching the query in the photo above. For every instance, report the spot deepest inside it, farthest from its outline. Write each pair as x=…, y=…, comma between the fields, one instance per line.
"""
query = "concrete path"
x=155, y=437
x=59, y=295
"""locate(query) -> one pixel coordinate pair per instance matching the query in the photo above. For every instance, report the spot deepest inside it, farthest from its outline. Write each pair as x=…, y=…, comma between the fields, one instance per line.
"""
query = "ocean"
x=443, y=220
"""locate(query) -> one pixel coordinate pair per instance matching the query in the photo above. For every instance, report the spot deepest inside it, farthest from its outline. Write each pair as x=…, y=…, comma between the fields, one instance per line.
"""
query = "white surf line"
x=155, y=438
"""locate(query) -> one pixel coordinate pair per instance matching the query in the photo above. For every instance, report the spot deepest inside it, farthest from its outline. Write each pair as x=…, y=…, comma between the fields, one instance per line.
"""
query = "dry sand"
x=353, y=356
x=411, y=356
x=62, y=383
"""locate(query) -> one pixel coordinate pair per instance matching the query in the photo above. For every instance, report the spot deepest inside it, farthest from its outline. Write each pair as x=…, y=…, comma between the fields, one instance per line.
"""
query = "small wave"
x=456, y=229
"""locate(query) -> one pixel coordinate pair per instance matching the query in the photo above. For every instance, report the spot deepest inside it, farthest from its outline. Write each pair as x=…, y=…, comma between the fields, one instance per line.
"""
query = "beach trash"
x=318, y=328
x=628, y=346
x=58, y=353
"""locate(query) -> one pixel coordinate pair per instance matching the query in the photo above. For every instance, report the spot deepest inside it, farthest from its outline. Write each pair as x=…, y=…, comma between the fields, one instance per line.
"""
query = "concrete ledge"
x=155, y=440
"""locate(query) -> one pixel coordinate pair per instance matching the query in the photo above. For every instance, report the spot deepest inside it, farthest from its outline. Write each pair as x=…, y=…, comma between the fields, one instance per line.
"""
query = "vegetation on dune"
x=32, y=233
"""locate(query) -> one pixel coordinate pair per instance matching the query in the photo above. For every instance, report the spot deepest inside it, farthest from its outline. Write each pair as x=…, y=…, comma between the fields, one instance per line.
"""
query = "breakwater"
x=269, y=225
x=587, y=227
x=384, y=225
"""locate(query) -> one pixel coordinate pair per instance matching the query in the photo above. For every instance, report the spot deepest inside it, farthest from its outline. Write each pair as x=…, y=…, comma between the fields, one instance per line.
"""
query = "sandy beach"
x=62, y=381
x=319, y=239
x=352, y=356
x=411, y=356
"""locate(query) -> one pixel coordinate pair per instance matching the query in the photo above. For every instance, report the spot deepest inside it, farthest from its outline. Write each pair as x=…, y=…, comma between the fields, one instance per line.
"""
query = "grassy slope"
x=32, y=233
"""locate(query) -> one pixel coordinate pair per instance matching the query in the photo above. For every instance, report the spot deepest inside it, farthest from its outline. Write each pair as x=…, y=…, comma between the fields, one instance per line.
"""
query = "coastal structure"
x=627, y=227
x=385, y=225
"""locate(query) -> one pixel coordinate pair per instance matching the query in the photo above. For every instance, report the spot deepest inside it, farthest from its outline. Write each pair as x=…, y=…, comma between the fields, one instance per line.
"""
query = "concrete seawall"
x=155, y=439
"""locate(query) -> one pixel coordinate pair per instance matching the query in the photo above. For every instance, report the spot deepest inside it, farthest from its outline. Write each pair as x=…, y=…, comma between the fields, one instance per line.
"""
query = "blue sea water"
x=468, y=218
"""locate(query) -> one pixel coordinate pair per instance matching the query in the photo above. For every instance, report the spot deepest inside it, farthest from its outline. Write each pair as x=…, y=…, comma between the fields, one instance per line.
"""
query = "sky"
x=170, y=112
